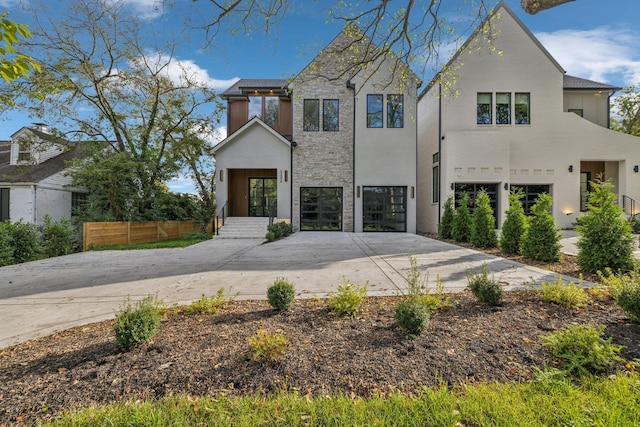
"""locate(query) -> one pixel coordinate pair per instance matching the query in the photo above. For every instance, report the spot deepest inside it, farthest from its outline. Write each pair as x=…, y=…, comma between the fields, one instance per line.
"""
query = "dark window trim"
x=322, y=221
x=530, y=196
x=374, y=114
x=390, y=105
x=5, y=203
x=387, y=221
x=326, y=128
x=305, y=125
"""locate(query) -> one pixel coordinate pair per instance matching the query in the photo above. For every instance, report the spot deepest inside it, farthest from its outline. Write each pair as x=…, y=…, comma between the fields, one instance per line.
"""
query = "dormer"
x=33, y=145
x=267, y=99
x=588, y=99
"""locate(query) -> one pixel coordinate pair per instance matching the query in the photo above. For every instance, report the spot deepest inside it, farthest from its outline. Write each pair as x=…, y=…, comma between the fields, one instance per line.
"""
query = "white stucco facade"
x=553, y=149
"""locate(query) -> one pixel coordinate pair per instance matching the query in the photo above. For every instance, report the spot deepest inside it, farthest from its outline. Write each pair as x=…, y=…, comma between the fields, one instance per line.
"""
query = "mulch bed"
x=468, y=342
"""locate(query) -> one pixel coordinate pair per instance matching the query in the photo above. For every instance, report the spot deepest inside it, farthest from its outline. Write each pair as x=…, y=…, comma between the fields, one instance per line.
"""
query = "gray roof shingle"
x=578, y=83
x=243, y=85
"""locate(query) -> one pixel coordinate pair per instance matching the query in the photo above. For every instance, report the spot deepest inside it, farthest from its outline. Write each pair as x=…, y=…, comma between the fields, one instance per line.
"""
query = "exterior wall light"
x=453, y=186
x=221, y=175
x=570, y=168
x=635, y=168
x=506, y=185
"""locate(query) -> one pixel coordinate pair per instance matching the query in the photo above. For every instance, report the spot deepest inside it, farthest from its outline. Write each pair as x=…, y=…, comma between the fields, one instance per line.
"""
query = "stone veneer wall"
x=324, y=159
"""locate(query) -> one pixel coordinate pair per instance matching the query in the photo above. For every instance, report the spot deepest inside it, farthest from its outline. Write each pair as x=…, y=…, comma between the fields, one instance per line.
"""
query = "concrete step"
x=243, y=228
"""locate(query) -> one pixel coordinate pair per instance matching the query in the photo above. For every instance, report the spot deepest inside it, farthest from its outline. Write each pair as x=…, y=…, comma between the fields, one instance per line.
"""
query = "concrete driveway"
x=40, y=297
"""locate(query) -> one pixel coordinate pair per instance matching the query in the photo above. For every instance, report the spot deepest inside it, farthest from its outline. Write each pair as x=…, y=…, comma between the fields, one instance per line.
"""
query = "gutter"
x=439, y=151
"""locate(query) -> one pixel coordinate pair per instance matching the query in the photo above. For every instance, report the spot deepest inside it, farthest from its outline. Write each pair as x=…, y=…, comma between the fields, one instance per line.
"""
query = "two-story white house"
x=33, y=177
x=503, y=113
x=332, y=149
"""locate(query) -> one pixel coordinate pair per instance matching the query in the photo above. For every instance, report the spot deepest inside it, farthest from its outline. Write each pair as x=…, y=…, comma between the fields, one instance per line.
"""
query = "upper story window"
x=24, y=152
x=484, y=109
x=265, y=107
x=374, y=111
x=330, y=115
x=523, y=113
x=395, y=111
x=503, y=108
x=311, y=115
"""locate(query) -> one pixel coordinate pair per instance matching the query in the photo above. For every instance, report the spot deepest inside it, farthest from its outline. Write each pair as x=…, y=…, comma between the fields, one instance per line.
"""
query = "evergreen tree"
x=462, y=224
x=541, y=240
x=605, y=237
x=483, y=233
x=514, y=224
x=445, y=227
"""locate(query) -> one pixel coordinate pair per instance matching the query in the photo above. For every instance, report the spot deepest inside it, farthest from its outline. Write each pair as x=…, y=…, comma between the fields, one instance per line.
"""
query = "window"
x=24, y=152
x=395, y=111
x=522, y=113
x=330, y=115
x=271, y=110
x=484, y=109
x=577, y=111
x=503, y=108
x=265, y=107
x=78, y=201
x=311, y=119
x=531, y=193
x=435, y=178
x=374, y=111
x=472, y=190
x=255, y=106
x=384, y=208
x=321, y=208
x=585, y=190
x=4, y=204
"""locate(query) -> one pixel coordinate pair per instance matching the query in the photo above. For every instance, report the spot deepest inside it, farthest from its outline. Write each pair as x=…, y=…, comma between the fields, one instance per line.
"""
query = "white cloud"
x=603, y=54
x=147, y=9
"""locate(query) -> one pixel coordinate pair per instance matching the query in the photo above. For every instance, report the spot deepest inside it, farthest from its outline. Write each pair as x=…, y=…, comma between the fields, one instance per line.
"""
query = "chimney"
x=41, y=127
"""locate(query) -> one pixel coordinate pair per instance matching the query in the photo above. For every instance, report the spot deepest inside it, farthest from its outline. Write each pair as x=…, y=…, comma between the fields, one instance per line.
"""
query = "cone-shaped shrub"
x=541, y=240
x=514, y=225
x=445, y=227
x=461, y=229
x=483, y=232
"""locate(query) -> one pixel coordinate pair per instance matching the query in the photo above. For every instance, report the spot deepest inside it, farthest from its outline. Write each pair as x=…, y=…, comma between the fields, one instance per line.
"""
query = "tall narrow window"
x=330, y=115
x=4, y=204
x=395, y=111
x=435, y=178
x=271, y=110
x=311, y=119
x=374, y=111
x=503, y=108
x=484, y=109
x=24, y=152
x=522, y=110
x=255, y=106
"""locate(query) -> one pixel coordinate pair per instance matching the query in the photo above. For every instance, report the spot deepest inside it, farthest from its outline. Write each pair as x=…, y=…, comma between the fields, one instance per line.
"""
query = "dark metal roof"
x=577, y=83
x=242, y=86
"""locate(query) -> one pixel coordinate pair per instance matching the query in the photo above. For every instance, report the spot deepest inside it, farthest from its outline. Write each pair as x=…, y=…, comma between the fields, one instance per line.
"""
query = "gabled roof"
x=255, y=121
x=577, y=83
x=500, y=7
x=35, y=173
x=243, y=86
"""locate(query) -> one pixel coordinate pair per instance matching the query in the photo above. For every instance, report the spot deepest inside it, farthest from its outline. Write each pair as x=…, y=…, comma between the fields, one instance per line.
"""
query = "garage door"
x=321, y=209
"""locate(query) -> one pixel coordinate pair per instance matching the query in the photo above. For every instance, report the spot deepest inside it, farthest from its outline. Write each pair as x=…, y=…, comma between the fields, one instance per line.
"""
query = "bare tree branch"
x=534, y=6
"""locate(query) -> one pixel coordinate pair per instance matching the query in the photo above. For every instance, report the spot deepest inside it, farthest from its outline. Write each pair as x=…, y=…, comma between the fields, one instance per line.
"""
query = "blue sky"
x=593, y=39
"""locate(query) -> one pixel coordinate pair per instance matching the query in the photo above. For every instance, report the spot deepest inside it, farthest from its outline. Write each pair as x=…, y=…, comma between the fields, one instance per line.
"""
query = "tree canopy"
x=626, y=108
x=14, y=64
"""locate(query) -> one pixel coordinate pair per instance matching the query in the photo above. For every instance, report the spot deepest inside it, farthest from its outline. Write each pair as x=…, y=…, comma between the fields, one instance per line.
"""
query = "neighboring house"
x=512, y=117
x=333, y=149
x=33, y=180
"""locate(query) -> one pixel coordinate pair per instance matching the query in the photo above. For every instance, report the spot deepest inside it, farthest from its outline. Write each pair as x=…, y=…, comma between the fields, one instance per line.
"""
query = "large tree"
x=14, y=64
x=137, y=104
x=626, y=108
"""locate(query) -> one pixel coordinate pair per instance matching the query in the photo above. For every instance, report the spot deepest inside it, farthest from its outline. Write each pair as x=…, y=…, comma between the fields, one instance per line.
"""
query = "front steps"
x=243, y=228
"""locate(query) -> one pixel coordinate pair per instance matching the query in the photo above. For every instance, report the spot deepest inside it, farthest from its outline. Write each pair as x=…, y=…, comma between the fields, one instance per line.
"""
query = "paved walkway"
x=40, y=297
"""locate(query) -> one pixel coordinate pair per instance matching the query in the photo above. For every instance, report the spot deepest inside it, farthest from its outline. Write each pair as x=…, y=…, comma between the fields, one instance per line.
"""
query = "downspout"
x=353, y=154
x=439, y=151
x=609, y=108
x=34, y=188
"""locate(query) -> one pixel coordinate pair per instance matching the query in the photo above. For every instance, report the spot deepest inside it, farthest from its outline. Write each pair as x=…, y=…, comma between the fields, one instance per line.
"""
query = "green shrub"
x=200, y=235
x=605, y=238
x=136, y=323
x=461, y=227
x=278, y=230
x=282, y=294
x=209, y=305
x=486, y=289
x=26, y=243
x=566, y=294
x=412, y=315
x=445, y=227
x=625, y=289
x=483, y=232
x=581, y=350
x=514, y=224
x=6, y=244
x=418, y=288
x=267, y=346
x=634, y=222
x=57, y=237
x=541, y=239
x=346, y=302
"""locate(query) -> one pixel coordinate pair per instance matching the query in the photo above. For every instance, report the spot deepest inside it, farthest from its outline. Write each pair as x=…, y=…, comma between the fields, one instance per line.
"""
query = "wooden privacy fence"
x=125, y=233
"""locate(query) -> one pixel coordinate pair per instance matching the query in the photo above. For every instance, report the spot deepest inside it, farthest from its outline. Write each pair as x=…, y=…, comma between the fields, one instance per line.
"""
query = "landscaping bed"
x=469, y=342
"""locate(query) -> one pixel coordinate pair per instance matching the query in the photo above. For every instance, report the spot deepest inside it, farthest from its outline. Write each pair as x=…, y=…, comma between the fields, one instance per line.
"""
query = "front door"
x=262, y=196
